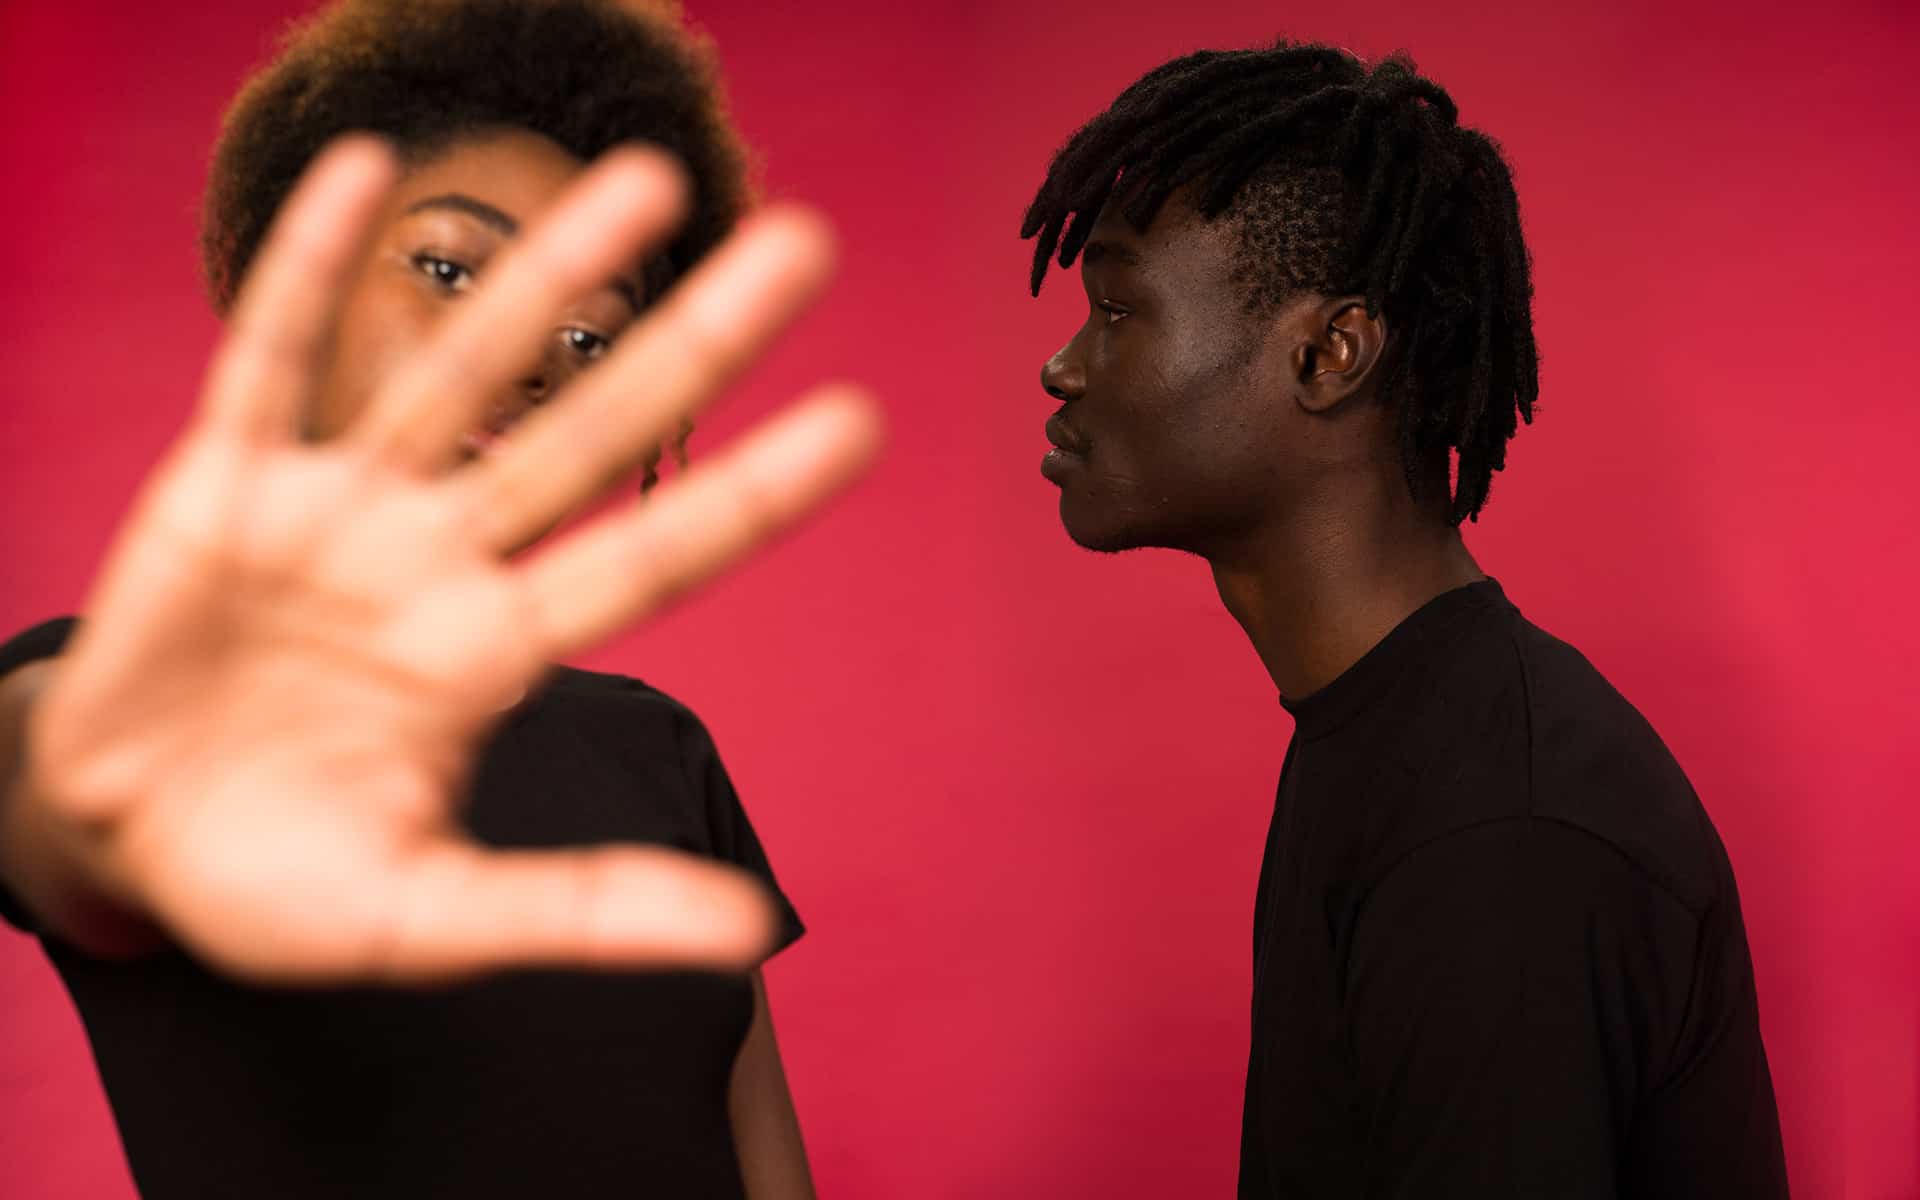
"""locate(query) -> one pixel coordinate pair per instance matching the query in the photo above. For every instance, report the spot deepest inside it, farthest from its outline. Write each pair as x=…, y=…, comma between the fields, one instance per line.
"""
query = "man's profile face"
x=1170, y=425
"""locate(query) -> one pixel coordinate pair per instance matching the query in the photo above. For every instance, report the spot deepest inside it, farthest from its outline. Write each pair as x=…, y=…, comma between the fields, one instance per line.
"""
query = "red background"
x=1019, y=791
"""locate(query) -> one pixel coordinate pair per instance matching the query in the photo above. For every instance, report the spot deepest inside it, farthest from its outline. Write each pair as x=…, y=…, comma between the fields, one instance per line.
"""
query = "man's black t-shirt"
x=533, y=1084
x=1497, y=948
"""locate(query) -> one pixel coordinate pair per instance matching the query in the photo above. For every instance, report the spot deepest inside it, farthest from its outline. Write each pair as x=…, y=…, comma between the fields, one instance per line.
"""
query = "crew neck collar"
x=1322, y=711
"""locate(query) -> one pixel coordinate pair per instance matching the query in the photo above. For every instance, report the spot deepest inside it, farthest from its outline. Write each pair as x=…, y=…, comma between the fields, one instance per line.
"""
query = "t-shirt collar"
x=1322, y=711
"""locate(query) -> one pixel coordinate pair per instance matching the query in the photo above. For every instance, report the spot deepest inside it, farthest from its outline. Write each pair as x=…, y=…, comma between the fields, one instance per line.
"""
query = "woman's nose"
x=548, y=377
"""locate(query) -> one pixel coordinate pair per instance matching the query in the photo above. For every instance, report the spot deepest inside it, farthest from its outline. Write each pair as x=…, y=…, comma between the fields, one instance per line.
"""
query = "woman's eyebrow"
x=479, y=210
x=487, y=214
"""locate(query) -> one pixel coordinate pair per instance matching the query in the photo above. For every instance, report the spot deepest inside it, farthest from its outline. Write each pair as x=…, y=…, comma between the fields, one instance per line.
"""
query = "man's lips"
x=1064, y=436
x=1069, y=449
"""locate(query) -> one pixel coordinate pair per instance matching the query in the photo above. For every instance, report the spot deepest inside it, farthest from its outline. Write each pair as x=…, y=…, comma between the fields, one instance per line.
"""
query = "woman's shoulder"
x=629, y=711
x=44, y=640
x=602, y=689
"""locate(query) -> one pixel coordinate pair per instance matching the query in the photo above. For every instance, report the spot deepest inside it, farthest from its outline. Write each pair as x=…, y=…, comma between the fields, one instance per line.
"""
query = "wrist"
x=47, y=887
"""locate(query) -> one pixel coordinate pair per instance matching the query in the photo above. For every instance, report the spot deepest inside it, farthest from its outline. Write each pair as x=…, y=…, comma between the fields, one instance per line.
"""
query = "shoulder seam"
x=608, y=683
x=1526, y=711
x=1657, y=884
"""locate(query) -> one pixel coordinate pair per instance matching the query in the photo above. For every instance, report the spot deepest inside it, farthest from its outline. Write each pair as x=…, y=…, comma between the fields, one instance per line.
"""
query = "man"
x=1498, y=950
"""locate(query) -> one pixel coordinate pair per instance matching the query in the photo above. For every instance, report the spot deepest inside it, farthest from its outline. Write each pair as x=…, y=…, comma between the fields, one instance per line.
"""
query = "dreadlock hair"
x=1344, y=177
x=588, y=74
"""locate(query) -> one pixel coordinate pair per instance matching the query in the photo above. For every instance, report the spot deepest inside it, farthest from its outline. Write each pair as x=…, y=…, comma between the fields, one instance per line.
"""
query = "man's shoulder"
x=1506, y=722
x=1510, y=745
x=1596, y=764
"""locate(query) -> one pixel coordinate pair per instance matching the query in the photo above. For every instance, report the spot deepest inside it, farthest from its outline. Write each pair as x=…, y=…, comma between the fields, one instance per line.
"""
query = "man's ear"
x=1336, y=350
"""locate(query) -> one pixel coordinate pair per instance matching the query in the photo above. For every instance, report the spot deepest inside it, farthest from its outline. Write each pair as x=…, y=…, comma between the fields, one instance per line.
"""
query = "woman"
x=304, y=733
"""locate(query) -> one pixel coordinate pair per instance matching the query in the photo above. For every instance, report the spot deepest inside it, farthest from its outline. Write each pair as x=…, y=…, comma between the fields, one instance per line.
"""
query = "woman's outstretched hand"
x=257, y=743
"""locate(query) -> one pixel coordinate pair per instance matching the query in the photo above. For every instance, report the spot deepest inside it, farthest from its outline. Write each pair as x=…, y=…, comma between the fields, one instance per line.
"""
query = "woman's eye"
x=584, y=342
x=448, y=275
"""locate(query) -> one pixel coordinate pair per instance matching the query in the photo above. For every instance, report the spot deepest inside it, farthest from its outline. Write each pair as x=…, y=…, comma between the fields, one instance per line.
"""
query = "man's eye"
x=584, y=342
x=448, y=275
x=1114, y=312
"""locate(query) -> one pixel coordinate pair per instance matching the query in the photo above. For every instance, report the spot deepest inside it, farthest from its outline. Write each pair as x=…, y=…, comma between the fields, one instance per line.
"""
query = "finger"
x=628, y=200
x=469, y=910
x=618, y=569
x=700, y=337
x=278, y=327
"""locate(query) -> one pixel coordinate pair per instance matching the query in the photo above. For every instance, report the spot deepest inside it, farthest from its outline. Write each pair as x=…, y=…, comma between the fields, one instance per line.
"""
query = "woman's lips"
x=476, y=442
x=481, y=439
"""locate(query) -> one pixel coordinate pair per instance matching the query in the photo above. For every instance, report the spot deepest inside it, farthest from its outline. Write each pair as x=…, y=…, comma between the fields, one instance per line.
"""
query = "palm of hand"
x=286, y=592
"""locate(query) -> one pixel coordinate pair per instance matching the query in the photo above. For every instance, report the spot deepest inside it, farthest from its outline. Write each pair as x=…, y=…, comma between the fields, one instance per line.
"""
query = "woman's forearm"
x=766, y=1130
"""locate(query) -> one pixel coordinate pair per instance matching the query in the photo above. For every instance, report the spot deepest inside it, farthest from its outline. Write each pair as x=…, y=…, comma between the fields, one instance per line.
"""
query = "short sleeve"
x=42, y=641
x=733, y=837
x=1512, y=989
x=1711, y=1127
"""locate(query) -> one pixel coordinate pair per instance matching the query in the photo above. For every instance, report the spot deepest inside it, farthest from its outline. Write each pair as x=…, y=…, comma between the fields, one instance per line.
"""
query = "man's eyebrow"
x=487, y=214
x=1096, y=251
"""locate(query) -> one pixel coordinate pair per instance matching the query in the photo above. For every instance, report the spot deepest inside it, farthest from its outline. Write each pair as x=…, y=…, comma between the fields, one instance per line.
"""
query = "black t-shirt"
x=1497, y=948
x=544, y=1083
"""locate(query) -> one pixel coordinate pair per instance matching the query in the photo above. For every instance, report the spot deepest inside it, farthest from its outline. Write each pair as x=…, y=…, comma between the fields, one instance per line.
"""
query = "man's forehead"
x=1178, y=234
x=1115, y=231
x=1109, y=248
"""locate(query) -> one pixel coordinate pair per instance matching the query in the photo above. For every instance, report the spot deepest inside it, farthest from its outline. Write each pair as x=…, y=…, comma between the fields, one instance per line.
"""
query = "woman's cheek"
x=379, y=327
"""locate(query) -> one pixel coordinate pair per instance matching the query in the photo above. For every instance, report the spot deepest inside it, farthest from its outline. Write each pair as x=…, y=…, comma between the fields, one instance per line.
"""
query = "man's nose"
x=1062, y=376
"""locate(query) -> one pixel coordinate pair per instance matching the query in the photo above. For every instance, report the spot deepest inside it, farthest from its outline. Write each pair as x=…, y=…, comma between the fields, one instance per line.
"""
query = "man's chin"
x=1099, y=532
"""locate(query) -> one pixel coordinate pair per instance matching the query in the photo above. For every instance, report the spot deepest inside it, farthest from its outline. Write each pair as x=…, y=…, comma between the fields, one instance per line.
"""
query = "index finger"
x=268, y=361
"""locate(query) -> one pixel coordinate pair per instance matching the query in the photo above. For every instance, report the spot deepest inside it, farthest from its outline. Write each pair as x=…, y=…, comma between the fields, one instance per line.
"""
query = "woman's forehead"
x=516, y=172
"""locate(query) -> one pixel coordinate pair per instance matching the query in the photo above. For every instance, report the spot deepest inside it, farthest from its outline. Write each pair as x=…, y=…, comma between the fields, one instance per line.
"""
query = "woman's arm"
x=40, y=879
x=766, y=1131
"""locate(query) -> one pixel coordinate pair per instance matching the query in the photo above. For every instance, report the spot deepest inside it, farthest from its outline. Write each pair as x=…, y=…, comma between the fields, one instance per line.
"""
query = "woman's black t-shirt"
x=539, y=1083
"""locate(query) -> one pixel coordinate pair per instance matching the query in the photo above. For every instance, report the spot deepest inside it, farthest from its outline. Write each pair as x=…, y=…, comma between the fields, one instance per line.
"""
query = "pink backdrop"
x=1027, y=846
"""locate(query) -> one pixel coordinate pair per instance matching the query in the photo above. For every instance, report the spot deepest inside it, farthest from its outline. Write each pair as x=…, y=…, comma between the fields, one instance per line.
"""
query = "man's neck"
x=1320, y=588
